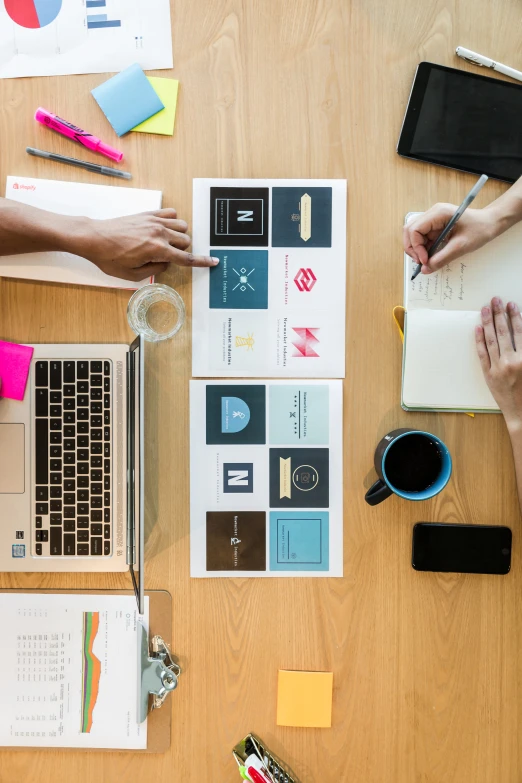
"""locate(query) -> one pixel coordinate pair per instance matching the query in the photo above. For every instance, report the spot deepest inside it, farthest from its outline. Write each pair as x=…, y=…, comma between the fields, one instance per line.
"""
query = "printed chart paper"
x=57, y=37
x=275, y=303
x=266, y=476
x=69, y=671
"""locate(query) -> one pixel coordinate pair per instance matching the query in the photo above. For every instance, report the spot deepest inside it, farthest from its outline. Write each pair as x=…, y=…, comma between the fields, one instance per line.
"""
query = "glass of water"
x=156, y=311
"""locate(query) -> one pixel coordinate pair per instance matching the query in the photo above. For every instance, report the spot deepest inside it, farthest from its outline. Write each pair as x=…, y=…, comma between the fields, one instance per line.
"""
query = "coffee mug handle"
x=377, y=493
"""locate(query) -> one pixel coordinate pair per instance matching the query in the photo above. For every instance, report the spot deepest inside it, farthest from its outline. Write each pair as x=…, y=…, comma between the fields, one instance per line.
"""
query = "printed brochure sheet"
x=57, y=37
x=266, y=493
x=69, y=671
x=275, y=303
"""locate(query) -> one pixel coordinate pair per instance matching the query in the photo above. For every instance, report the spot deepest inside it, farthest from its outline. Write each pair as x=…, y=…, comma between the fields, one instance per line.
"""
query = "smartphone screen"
x=468, y=549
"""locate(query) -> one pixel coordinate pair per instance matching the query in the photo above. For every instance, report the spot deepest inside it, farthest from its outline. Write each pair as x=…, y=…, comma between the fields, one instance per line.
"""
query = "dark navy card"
x=239, y=217
x=301, y=217
x=236, y=414
x=299, y=478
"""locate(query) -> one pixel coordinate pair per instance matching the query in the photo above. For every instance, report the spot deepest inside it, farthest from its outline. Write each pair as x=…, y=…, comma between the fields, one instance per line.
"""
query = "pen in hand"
x=450, y=225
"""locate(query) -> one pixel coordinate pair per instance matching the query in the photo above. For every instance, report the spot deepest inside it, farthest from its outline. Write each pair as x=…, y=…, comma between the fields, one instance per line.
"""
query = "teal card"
x=299, y=415
x=299, y=541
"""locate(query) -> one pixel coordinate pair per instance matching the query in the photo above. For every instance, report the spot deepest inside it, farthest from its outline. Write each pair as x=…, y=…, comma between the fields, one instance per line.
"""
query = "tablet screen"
x=465, y=121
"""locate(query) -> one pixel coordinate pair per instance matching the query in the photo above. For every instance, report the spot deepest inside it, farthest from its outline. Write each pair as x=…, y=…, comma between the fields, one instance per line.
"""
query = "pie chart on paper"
x=33, y=13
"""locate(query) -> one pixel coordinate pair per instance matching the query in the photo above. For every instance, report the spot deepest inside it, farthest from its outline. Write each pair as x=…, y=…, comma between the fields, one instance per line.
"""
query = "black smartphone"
x=467, y=549
x=465, y=121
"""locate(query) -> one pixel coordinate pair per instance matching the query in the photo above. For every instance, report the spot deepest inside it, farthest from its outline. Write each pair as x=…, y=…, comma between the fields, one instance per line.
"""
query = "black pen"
x=82, y=164
x=458, y=214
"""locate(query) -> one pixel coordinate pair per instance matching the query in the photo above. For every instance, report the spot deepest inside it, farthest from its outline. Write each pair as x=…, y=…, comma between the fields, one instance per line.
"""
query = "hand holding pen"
x=425, y=235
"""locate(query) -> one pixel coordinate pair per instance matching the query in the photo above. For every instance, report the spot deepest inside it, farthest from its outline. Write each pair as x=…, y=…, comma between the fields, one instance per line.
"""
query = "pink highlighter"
x=77, y=134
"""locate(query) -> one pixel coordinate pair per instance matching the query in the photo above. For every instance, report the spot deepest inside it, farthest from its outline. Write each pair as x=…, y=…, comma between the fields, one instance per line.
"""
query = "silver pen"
x=458, y=214
x=478, y=59
x=82, y=164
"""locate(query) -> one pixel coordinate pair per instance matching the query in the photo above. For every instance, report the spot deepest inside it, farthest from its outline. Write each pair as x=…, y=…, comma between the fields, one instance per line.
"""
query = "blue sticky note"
x=127, y=99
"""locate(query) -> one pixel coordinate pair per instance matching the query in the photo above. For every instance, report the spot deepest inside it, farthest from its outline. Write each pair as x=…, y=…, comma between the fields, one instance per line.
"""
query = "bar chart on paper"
x=97, y=21
x=58, y=37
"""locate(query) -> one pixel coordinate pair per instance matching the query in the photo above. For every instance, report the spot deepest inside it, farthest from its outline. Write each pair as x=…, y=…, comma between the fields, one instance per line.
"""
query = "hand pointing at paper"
x=131, y=248
x=475, y=228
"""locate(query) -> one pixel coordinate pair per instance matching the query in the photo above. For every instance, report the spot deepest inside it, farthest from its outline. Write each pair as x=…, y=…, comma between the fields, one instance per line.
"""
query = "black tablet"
x=465, y=121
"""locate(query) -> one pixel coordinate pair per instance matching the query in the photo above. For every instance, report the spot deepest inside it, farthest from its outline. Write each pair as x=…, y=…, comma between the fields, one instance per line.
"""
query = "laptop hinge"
x=131, y=435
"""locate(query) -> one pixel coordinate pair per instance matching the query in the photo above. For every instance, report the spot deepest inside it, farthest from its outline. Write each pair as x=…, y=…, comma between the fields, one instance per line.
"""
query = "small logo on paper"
x=306, y=343
x=16, y=186
x=246, y=342
x=235, y=541
x=243, y=283
x=235, y=414
x=305, y=279
x=18, y=550
x=238, y=477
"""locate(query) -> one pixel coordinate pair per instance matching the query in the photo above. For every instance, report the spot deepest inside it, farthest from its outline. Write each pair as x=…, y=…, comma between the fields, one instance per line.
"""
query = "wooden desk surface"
x=427, y=672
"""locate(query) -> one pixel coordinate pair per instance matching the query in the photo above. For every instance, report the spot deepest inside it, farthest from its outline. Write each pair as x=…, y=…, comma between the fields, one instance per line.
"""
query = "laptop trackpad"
x=12, y=459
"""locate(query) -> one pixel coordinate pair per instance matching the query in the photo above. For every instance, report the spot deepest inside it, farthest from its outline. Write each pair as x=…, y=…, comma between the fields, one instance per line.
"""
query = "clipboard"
x=160, y=622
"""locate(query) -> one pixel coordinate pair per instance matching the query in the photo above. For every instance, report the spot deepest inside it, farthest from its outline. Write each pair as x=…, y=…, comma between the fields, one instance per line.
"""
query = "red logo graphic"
x=306, y=344
x=305, y=279
x=16, y=186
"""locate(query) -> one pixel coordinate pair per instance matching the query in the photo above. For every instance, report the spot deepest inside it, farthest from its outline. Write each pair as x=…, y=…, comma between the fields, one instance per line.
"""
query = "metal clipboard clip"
x=159, y=673
x=274, y=769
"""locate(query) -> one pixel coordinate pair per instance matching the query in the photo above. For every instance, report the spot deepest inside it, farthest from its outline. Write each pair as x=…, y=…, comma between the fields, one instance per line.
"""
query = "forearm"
x=507, y=209
x=25, y=229
x=515, y=433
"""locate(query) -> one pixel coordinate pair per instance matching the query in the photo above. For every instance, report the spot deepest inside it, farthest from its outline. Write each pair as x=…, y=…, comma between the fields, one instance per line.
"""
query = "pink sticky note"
x=15, y=361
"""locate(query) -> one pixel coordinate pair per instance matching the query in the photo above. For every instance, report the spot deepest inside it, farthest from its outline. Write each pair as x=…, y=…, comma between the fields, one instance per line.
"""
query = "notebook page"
x=75, y=199
x=441, y=366
x=471, y=281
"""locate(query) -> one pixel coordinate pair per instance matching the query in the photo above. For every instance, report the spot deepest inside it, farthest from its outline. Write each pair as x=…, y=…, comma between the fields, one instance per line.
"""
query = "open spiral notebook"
x=441, y=369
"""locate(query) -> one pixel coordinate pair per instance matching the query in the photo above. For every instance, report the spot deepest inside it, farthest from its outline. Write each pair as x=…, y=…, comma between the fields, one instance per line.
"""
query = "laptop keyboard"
x=73, y=439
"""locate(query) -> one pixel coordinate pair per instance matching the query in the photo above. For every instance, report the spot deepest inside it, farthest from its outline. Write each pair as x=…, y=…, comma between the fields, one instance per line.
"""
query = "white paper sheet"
x=71, y=36
x=275, y=305
x=69, y=671
x=76, y=199
x=266, y=478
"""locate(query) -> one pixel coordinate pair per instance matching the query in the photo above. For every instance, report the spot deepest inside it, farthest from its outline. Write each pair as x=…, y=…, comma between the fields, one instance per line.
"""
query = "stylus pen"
x=458, y=214
x=479, y=59
x=82, y=164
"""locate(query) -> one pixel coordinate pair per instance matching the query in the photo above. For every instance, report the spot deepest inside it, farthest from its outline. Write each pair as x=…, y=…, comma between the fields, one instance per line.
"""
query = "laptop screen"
x=135, y=462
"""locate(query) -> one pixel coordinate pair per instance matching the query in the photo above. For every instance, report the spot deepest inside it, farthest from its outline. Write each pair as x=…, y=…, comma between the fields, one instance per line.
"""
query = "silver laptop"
x=71, y=463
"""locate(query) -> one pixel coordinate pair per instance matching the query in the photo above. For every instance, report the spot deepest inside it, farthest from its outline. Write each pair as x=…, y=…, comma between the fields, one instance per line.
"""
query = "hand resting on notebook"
x=132, y=248
x=475, y=228
x=499, y=346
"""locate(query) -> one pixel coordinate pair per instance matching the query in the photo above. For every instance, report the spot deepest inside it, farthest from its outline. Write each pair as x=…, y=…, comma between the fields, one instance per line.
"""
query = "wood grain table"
x=427, y=668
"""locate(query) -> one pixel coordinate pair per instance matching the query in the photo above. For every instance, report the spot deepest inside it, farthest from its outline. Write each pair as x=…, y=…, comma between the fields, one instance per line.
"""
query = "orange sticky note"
x=304, y=699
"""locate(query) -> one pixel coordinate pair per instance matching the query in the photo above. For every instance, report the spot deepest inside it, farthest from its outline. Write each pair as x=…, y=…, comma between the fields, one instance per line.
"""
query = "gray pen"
x=82, y=164
x=458, y=214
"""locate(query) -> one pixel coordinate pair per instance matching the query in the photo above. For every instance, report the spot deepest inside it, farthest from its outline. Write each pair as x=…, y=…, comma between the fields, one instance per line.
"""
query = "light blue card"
x=127, y=99
x=299, y=414
x=299, y=541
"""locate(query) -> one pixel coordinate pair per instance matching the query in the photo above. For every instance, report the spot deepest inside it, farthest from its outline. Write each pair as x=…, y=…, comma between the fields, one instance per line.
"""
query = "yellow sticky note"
x=163, y=121
x=304, y=699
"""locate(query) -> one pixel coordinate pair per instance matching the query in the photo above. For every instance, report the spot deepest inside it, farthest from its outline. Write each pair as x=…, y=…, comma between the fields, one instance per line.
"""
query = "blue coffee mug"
x=392, y=465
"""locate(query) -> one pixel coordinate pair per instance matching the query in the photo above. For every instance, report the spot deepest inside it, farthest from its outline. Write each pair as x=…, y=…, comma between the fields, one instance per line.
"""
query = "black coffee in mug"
x=413, y=464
